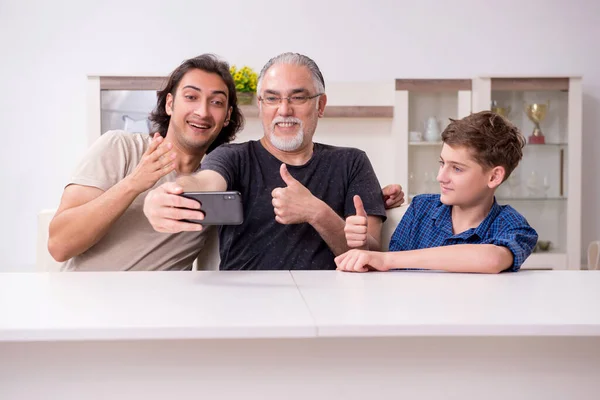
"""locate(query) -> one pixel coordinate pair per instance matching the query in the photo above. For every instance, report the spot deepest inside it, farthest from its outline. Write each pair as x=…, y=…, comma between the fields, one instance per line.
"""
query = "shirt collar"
x=443, y=220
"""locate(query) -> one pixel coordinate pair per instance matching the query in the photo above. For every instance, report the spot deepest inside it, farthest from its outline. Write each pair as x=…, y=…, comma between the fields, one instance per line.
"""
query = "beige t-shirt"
x=131, y=243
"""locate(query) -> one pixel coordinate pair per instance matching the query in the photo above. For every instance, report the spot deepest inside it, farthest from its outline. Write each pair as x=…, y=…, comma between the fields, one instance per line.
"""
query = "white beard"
x=286, y=144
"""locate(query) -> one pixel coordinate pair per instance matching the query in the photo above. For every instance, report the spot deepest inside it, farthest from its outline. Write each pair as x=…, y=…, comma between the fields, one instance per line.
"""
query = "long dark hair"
x=207, y=63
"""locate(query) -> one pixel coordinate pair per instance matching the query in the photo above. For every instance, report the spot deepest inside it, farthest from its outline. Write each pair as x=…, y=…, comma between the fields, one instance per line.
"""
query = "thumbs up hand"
x=292, y=204
x=356, y=226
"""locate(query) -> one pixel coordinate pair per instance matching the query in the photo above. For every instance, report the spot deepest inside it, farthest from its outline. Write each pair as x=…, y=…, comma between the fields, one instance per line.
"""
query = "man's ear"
x=321, y=105
x=169, y=104
x=228, y=117
x=496, y=177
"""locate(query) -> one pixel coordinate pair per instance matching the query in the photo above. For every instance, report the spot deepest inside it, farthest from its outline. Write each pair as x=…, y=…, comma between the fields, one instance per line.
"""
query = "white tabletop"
x=151, y=305
x=403, y=303
x=280, y=304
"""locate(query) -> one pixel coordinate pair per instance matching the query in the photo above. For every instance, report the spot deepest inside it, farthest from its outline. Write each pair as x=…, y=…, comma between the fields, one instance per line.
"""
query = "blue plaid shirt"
x=428, y=223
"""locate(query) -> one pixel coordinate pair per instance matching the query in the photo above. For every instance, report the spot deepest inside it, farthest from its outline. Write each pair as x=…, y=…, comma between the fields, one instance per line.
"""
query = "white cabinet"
x=546, y=186
x=423, y=108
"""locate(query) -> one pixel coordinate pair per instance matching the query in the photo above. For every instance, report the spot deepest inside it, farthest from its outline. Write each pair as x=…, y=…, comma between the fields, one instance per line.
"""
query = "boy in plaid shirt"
x=463, y=229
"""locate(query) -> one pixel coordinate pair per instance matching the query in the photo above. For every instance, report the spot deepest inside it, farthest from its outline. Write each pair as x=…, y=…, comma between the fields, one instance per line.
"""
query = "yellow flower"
x=245, y=78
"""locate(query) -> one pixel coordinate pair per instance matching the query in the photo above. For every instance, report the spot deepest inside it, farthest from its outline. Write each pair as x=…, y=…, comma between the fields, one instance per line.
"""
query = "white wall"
x=48, y=48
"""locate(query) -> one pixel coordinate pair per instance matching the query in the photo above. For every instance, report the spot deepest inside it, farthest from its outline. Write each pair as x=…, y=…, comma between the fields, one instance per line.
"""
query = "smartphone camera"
x=229, y=197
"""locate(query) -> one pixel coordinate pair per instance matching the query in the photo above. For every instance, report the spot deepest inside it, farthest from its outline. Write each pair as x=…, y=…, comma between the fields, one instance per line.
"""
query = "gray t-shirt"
x=131, y=244
x=333, y=174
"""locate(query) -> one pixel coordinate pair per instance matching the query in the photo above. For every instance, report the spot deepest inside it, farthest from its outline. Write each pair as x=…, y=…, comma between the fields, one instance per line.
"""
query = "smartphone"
x=219, y=208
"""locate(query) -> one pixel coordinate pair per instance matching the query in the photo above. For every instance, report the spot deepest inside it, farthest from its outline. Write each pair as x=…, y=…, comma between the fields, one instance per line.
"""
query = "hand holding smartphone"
x=219, y=208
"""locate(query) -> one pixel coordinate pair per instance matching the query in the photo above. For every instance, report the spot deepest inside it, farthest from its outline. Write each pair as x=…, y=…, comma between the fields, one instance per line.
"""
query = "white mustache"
x=279, y=120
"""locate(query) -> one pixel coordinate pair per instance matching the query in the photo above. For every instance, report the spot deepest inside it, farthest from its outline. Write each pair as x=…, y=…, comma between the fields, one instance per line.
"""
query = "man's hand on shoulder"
x=393, y=196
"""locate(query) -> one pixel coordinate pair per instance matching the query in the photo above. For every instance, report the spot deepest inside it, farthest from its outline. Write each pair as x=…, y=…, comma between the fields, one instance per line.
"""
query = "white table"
x=402, y=303
x=280, y=335
x=151, y=305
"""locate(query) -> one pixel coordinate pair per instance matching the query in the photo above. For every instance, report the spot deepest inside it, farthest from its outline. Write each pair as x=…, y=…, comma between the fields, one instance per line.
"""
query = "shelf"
x=421, y=144
x=433, y=85
x=132, y=82
x=529, y=145
x=359, y=112
x=338, y=111
x=533, y=84
x=250, y=111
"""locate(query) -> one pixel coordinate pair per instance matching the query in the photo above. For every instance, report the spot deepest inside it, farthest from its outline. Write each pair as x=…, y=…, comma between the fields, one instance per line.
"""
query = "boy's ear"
x=496, y=177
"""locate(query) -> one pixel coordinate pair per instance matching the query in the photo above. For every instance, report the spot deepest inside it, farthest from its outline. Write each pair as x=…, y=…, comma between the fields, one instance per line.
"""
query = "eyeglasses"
x=293, y=100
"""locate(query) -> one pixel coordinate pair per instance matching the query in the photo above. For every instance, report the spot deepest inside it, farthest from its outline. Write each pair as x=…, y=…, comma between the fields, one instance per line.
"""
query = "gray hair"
x=294, y=59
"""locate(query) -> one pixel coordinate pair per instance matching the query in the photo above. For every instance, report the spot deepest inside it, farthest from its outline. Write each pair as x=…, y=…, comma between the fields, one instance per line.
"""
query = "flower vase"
x=245, y=98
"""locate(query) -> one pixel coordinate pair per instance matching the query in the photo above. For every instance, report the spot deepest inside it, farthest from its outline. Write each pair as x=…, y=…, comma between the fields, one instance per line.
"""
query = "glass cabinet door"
x=540, y=188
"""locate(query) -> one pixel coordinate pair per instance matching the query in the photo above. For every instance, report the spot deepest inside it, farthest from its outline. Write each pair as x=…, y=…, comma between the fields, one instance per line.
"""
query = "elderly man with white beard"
x=296, y=193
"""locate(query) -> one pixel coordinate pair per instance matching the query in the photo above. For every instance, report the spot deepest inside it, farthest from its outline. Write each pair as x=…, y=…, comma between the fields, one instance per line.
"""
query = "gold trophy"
x=536, y=113
x=504, y=111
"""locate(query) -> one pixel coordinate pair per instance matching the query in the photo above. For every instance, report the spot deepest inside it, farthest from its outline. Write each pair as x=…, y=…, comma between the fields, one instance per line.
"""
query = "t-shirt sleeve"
x=400, y=240
x=520, y=240
x=364, y=182
x=223, y=160
x=104, y=164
